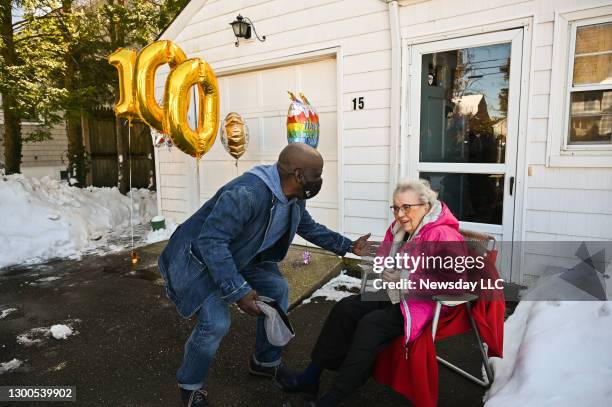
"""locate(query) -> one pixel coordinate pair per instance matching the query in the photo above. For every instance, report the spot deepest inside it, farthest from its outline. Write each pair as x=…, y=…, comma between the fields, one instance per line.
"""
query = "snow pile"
x=10, y=365
x=45, y=218
x=38, y=335
x=337, y=288
x=60, y=331
x=33, y=336
x=556, y=353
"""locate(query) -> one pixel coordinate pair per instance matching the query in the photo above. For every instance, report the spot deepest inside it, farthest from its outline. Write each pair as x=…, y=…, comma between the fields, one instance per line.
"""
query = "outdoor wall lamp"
x=242, y=29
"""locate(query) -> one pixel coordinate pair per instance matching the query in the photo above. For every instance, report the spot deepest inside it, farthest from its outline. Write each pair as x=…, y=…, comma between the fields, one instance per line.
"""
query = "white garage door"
x=261, y=98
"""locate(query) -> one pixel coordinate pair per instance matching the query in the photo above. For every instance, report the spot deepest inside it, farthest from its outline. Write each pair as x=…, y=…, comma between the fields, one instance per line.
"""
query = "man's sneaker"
x=265, y=371
x=194, y=398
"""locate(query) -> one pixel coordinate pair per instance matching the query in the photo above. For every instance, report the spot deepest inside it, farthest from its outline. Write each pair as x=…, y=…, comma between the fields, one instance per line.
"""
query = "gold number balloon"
x=193, y=72
x=234, y=135
x=124, y=60
x=148, y=61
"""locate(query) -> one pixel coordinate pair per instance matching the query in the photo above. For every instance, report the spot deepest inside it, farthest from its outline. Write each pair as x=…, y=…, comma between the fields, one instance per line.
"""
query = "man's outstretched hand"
x=247, y=303
x=361, y=246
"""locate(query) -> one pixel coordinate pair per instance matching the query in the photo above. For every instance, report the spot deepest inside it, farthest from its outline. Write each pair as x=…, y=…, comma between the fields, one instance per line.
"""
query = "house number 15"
x=358, y=103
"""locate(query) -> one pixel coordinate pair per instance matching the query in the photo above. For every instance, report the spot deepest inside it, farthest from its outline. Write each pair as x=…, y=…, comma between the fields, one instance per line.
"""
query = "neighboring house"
x=50, y=157
x=504, y=105
x=45, y=158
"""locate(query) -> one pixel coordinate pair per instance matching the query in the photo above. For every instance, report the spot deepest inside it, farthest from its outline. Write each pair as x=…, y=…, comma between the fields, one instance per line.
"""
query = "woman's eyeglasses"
x=404, y=208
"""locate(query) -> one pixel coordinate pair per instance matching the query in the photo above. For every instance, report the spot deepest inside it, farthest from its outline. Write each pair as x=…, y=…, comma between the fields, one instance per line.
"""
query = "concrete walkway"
x=128, y=337
x=303, y=279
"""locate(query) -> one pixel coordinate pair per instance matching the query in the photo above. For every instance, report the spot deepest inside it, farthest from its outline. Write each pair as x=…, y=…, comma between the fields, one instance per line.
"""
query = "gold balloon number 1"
x=137, y=94
x=124, y=60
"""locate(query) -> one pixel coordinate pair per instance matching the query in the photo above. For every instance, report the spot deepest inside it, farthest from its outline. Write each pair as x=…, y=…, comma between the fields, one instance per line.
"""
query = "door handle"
x=511, y=185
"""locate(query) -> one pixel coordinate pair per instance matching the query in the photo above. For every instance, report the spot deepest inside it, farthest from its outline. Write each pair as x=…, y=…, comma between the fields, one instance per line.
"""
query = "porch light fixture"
x=242, y=29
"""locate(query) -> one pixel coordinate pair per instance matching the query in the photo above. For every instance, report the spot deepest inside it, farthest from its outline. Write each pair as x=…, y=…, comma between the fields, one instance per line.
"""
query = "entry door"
x=463, y=124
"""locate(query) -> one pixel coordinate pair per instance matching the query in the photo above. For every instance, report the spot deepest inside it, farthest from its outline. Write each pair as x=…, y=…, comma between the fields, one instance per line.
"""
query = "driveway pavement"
x=128, y=338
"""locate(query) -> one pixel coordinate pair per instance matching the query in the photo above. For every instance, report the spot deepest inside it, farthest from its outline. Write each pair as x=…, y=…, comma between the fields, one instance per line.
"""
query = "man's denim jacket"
x=207, y=252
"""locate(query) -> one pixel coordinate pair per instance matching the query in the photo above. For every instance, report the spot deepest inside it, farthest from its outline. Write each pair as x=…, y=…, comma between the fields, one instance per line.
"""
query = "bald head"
x=298, y=156
x=300, y=168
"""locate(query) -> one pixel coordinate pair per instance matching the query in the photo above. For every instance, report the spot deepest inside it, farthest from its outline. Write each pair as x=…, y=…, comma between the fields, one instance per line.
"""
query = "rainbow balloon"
x=302, y=121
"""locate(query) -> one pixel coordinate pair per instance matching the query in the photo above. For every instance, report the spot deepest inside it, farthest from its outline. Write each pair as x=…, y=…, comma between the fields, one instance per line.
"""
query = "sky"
x=17, y=14
x=489, y=85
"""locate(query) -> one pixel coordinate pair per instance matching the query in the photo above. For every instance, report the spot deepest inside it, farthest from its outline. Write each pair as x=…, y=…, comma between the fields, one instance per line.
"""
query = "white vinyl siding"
x=41, y=158
x=562, y=203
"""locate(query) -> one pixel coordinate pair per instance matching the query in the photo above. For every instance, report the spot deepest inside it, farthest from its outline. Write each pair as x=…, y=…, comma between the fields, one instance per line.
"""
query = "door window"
x=464, y=105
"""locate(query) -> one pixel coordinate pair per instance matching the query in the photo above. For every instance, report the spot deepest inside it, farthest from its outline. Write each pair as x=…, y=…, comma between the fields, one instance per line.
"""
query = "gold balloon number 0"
x=137, y=94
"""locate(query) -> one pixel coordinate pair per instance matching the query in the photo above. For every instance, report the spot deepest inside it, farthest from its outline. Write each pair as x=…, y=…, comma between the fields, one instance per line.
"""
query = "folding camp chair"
x=479, y=244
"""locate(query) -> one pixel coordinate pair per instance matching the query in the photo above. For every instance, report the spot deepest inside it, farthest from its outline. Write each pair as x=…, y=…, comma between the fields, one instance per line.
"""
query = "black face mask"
x=311, y=188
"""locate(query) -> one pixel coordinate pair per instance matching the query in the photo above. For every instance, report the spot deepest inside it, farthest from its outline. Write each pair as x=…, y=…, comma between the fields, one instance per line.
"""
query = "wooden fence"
x=101, y=141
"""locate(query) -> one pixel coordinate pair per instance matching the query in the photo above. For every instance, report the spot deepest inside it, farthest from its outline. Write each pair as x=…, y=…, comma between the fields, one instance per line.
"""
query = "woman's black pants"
x=353, y=335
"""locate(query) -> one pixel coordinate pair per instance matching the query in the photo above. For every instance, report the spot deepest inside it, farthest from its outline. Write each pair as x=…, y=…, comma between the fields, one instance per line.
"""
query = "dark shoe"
x=265, y=371
x=284, y=379
x=288, y=383
x=194, y=398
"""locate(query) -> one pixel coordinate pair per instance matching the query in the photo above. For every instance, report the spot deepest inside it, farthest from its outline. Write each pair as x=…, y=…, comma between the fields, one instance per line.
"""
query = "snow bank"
x=337, y=288
x=556, y=353
x=44, y=218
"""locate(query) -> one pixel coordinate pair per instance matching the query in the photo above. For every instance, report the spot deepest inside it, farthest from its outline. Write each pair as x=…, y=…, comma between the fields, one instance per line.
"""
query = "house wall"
x=360, y=30
x=43, y=158
x=554, y=203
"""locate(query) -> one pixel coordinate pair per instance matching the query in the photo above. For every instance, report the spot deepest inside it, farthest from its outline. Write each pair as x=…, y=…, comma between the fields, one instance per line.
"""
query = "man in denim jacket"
x=228, y=252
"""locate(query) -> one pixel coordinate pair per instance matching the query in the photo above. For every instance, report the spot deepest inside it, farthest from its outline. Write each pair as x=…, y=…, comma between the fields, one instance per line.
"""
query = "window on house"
x=590, y=87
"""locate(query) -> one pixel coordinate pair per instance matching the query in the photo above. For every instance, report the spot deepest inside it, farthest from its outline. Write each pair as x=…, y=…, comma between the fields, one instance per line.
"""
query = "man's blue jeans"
x=214, y=322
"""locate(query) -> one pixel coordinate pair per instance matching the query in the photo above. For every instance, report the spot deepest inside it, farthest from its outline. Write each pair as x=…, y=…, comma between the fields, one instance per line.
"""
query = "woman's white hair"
x=421, y=187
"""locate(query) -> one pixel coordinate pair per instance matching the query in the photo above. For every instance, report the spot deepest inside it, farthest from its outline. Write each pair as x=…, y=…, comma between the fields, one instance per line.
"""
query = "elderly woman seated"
x=356, y=331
